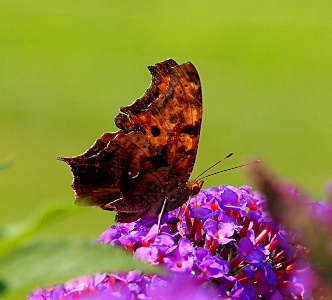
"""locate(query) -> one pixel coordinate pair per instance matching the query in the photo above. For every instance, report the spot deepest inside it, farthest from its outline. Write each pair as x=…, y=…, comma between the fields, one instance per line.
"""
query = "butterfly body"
x=150, y=159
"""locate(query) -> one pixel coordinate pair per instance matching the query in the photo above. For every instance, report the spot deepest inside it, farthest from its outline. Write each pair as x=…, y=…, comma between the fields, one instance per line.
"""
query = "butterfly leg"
x=180, y=209
x=161, y=214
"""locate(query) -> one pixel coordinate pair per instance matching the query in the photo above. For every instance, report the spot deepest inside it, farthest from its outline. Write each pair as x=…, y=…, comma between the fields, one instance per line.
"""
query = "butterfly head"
x=195, y=186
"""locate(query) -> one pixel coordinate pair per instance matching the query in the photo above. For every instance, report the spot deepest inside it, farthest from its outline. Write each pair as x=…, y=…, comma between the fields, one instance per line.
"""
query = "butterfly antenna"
x=253, y=162
x=227, y=156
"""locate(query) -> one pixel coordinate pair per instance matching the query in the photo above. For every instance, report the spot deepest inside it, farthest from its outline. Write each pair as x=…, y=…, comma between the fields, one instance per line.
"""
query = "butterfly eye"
x=196, y=187
x=155, y=131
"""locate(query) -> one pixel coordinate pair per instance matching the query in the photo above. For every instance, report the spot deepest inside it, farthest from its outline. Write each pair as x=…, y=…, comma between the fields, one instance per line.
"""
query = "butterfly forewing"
x=151, y=157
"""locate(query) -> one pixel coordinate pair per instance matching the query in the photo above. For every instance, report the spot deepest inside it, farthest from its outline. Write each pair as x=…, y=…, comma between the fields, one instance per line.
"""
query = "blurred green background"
x=67, y=66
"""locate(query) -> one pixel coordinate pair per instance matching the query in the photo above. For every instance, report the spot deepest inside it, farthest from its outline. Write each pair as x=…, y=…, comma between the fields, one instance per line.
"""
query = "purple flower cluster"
x=132, y=285
x=222, y=246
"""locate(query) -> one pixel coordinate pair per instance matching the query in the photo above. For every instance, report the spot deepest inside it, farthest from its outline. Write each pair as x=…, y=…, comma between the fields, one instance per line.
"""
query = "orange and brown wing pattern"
x=131, y=171
x=171, y=118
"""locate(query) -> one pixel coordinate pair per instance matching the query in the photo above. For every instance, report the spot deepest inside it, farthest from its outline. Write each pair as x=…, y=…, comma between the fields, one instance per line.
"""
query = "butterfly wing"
x=132, y=170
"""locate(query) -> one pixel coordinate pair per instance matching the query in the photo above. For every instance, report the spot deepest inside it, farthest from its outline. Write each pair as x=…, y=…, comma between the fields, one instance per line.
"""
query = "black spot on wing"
x=181, y=149
x=154, y=162
x=190, y=152
x=191, y=129
x=155, y=131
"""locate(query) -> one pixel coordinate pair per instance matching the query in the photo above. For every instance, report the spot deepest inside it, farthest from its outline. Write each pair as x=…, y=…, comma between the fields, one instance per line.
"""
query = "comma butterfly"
x=146, y=165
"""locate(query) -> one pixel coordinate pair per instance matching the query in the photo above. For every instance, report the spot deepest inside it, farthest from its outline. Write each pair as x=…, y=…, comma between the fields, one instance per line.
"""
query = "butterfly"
x=144, y=168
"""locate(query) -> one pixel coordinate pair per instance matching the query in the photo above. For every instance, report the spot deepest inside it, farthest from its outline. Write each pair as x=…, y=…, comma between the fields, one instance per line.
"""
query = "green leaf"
x=45, y=262
x=13, y=234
